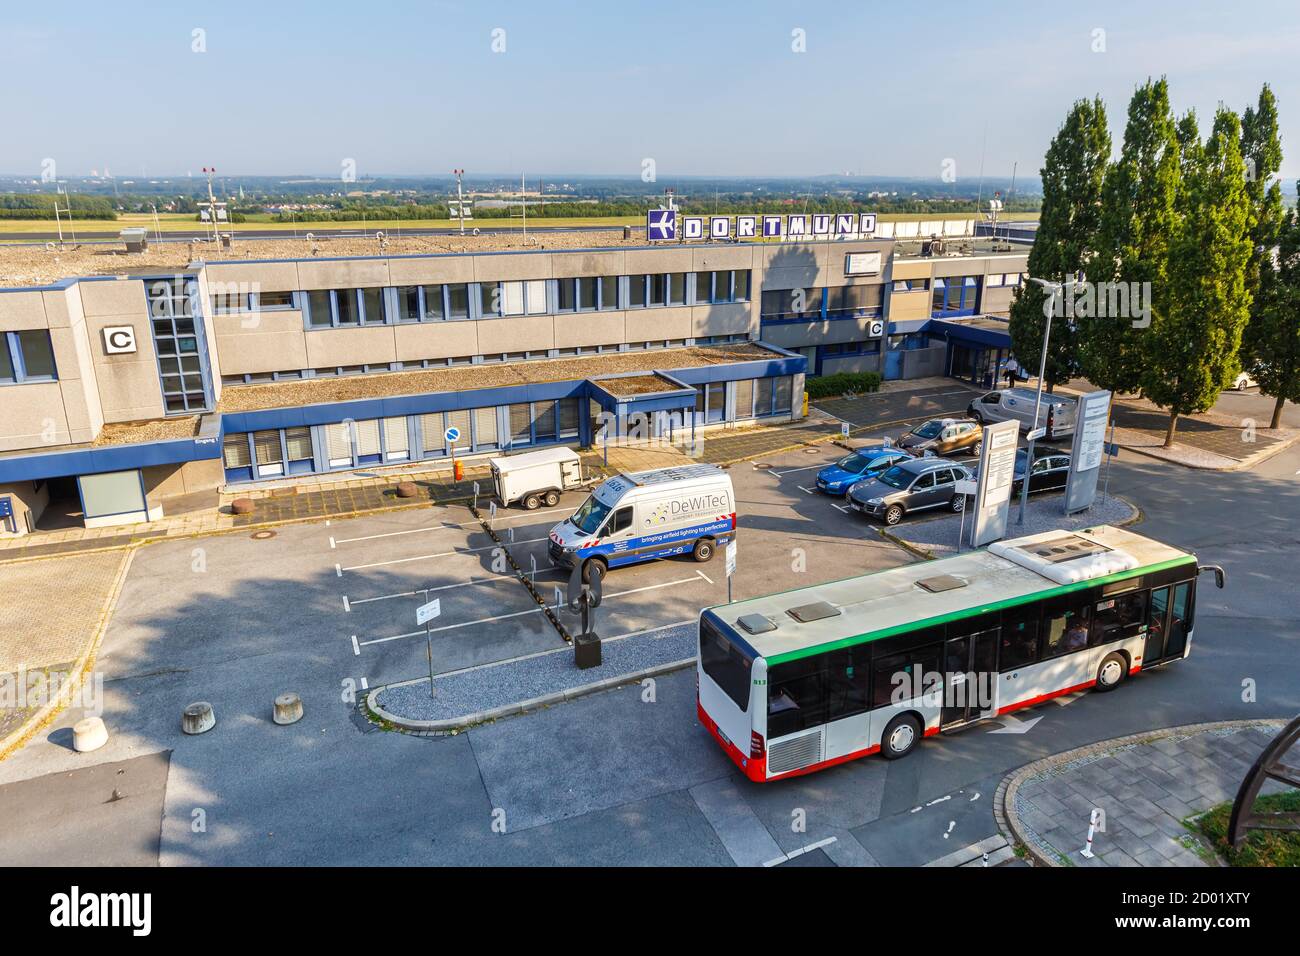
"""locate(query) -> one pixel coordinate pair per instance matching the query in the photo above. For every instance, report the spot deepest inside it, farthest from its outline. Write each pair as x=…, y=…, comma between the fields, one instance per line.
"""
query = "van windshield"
x=896, y=477
x=590, y=515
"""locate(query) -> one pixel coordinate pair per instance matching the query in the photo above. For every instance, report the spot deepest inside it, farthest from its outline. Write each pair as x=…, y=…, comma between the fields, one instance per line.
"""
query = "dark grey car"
x=917, y=485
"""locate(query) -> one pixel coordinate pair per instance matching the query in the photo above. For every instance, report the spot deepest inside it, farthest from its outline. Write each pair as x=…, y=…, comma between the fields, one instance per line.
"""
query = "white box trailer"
x=536, y=477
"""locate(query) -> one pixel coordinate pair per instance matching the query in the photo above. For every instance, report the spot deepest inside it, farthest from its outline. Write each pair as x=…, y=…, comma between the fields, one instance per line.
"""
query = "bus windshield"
x=895, y=477
x=725, y=664
x=590, y=515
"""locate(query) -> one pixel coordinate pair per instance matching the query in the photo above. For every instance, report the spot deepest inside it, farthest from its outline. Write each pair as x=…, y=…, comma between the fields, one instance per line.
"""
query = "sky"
x=146, y=88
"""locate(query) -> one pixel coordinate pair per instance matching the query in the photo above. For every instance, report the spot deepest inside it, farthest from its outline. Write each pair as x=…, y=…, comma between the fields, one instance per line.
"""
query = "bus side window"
x=903, y=675
x=1065, y=627
x=1019, y=644
x=1114, y=618
x=848, y=682
x=796, y=697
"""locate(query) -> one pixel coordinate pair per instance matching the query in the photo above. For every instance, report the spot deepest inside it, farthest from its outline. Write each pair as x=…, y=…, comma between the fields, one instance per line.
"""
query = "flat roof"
x=638, y=385
x=877, y=605
x=457, y=378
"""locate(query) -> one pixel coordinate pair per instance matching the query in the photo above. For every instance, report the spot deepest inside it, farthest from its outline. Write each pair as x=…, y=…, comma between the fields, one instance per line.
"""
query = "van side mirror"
x=1220, y=578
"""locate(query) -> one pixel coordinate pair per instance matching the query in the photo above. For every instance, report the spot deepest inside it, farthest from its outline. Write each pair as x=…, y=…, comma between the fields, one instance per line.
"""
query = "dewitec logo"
x=75, y=908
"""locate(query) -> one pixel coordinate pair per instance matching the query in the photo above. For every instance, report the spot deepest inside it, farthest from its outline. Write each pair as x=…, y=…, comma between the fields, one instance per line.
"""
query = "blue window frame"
x=955, y=295
x=344, y=308
x=26, y=357
x=910, y=285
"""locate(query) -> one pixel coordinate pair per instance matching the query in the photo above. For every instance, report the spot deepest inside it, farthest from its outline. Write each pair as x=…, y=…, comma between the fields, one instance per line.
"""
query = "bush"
x=831, y=385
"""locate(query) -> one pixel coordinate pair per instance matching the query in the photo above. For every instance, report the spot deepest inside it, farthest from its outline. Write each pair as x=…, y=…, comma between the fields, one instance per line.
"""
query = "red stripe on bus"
x=1042, y=697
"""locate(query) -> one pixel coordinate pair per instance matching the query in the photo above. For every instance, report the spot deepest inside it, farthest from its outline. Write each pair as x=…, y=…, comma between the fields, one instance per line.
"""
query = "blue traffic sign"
x=6, y=507
x=452, y=434
x=661, y=224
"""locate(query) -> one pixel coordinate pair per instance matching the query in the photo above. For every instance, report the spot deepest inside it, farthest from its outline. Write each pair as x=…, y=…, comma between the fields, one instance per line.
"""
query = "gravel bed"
x=1043, y=513
x=493, y=685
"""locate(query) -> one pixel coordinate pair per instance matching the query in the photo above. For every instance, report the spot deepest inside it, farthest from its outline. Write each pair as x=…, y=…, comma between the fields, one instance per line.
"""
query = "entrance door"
x=1167, y=624
x=970, y=674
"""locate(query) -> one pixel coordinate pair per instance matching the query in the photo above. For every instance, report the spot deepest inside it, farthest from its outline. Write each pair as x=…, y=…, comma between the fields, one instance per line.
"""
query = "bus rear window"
x=725, y=664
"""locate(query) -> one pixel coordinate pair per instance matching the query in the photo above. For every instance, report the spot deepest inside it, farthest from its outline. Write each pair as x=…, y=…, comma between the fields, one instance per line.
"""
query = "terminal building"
x=123, y=390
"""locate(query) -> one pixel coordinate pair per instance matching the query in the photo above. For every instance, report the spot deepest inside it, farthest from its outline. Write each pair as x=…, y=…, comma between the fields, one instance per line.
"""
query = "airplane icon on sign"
x=661, y=224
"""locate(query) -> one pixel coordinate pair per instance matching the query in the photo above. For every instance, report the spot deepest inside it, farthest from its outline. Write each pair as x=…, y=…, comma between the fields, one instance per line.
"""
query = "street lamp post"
x=1056, y=288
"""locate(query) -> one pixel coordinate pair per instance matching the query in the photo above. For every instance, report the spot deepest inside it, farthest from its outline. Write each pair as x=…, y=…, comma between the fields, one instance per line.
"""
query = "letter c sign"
x=119, y=339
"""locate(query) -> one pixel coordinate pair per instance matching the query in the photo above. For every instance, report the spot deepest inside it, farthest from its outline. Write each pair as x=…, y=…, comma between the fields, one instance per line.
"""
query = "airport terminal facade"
x=119, y=392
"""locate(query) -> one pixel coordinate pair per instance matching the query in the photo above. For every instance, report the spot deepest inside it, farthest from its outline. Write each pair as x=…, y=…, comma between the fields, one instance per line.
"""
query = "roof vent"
x=941, y=582
x=755, y=623
x=817, y=611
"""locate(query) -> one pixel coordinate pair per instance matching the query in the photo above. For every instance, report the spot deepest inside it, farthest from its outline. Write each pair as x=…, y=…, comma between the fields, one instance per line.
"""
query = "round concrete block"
x=242, y=506
x=288, y=709
x=198, y=718
x=89, y=734
x=406, y=489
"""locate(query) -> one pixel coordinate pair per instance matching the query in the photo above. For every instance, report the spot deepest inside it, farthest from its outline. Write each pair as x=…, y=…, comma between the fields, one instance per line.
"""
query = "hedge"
x=828, y=386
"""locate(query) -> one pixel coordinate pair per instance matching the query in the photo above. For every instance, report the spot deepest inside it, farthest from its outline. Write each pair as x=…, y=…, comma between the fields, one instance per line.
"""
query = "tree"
x=1136, y=223
x=1261, y=151
x=1065, y=242
x=1190, y=350
x=1273, y=333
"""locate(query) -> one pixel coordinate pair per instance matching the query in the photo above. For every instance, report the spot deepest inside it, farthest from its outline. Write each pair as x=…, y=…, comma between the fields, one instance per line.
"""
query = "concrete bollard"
x=288, y=709
x=241, y=506
x=407, y=489
x=198, y=718
x=89, y=734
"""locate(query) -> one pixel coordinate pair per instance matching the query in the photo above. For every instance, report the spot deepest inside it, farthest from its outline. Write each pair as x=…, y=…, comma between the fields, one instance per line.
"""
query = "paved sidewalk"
x=1147, y=784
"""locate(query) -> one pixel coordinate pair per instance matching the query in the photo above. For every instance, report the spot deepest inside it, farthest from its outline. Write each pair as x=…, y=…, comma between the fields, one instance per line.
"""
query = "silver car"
x=916, y=485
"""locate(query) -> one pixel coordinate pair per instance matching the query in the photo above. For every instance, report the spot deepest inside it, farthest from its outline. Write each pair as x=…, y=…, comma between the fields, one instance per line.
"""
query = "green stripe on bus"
x=974, y=611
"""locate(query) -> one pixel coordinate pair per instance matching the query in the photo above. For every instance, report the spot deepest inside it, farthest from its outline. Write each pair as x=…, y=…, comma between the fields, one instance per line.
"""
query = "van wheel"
x=1111, y=672
x=552, y=499
x=593, y=569
x=893, y=514
x=532, y=502
x=900, y=736
x=703, y=550
x=958, y=503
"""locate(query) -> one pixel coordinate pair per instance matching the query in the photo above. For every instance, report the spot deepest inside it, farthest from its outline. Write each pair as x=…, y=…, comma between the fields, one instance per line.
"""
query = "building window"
x=724, y=286
x=226, y=302
x=791, y=305
x=955, y=295
x=566, y=294
x=609, y=292
x=272, y=301
x=457, y=301
x=268, y=453
x=910, y=285
x=636, y=292
x=345, y=308
x=26, y=357
x=298, y=450
x=179, y=344
x=847, y=301
x=588, y=293
x=236, y=458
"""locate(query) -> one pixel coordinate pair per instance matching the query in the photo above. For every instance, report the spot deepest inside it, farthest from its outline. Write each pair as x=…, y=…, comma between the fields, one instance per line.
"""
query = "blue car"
x=866, y=462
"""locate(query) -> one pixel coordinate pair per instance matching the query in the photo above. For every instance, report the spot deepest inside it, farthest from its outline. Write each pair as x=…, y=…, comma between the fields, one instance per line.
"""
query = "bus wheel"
x=532, y=502
x=593, y=570
x=893, y=514
x=552, y=499
x=1111, y=672
x=703, y=550
x=900, y=736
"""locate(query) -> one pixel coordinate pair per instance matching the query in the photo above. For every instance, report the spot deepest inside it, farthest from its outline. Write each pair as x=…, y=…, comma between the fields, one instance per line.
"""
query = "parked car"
x=943, y=436
x=917, y=484
x=867, y=462
x=1057, y=412
x=1050, y=471
x=1243, y=382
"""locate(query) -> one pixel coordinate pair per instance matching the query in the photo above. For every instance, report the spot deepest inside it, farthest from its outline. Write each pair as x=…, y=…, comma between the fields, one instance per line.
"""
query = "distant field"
x=179, y=222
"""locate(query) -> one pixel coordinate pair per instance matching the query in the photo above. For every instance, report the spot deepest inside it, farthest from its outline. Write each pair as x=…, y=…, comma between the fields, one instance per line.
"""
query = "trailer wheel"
x=703, y=550
x=532, y=501
x=552, y=499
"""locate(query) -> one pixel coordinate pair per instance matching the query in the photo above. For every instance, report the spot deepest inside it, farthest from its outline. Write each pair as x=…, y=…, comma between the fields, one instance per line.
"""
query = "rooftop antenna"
x=460, y=199
x=60, y=191
x=212, y=211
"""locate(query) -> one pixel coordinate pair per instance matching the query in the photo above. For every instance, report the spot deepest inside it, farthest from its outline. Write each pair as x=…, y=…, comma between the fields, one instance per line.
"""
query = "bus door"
x=970, y=678
x=1167, y=623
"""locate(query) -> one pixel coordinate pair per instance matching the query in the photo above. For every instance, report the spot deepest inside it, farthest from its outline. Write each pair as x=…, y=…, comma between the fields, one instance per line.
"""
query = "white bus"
x=798, y=681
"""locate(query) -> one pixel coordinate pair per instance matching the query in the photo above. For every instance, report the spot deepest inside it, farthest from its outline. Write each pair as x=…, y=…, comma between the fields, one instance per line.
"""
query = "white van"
x=1057, y=413
x=646, y=515
x=537, y=477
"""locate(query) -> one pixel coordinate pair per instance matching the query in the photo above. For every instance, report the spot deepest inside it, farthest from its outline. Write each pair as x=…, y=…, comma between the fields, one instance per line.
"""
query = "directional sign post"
x=844, y=429
x=452, y=435
x=731, y=565
x=424, y=614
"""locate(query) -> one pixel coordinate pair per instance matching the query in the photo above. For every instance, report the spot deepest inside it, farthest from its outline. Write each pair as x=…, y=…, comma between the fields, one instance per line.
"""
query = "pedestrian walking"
x=1013, y=371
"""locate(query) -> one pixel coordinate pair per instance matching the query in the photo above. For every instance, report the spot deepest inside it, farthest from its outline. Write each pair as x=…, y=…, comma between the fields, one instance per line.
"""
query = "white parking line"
x=705, y=576
x=425, y=557
x=806, y=491
x=843, y=508
x=332, y=544
x=447, y=587
x=531, y=610
x=346, y=605
x=449, y=526
x=355, y=649
x=791, y=471
x=801, y=851
x=338, y=571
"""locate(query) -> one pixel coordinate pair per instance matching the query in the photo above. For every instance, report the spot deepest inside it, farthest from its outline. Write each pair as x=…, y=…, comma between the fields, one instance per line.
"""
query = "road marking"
x=801, y=851
x=365, y=684
x=338, y=571
x=346, y=606
x=449, y=526
x=425, y=557
x=503, y=617
x=705, y=576
x=355, y=649
x=743, y=835
x=446, y=587
x=806, y=491
x=791, y=471
x=844, y=508
x=332, y=544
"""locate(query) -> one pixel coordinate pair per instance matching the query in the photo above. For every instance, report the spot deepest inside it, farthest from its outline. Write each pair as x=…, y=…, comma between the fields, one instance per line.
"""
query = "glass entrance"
x=970, y=675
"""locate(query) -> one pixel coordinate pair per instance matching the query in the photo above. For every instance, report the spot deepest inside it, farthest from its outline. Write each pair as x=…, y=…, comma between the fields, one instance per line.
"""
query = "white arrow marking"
x=1015, y=726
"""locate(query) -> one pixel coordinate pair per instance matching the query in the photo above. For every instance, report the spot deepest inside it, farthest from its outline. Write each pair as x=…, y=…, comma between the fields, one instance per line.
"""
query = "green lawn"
x=1261, y=847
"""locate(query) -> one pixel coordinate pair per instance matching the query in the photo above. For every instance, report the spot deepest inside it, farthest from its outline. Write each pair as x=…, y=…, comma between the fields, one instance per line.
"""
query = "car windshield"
x=896, y=477
x=854, y=462
x=590, y=515
x=929, y=430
